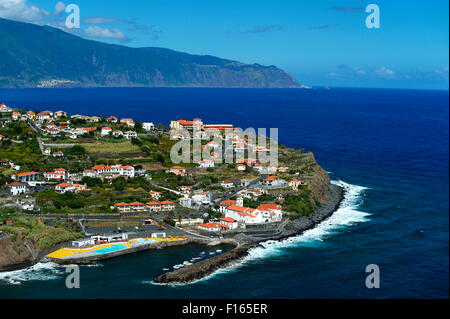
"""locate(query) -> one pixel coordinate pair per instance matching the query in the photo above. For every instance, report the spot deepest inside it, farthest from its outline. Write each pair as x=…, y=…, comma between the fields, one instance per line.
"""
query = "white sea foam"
x=347, y=215
x=39, y=271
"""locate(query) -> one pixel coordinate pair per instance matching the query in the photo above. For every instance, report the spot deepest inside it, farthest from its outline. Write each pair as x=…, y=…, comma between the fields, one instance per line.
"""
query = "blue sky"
x=320, y=42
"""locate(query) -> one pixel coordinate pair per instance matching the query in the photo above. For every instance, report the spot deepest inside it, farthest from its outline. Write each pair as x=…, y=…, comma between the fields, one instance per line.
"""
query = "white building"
x=230, y=222
x=54, y=175
x=148, y=126
x=16, y=188
x=117, y=133
x=265, y=213
x=185, y=202
x=64, y=187
x=206, y=163
x=120, y=170
x=202, y=198
x=106, y=131
x=25, y=177
x=227, y=184
x=83, y=242
x=130, y=135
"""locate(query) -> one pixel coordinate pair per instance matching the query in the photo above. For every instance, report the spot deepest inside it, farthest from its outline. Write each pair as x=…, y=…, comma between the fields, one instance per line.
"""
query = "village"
x=104, y=171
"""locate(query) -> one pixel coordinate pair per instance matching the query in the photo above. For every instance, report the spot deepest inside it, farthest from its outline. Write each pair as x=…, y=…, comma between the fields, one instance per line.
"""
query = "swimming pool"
x=113, y=247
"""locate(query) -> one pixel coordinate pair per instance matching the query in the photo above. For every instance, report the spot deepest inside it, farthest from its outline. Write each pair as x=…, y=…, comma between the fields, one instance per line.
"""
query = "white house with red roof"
x=105, y=131
x=177, y=170
x=117, y=133
x=105, y=171
x=202, y=198
x=129, y=122
x=223, y=205
x=131, y=207
x=230, y=222
x=16, y=188
x=274, y=181
x=212, y=227
x=26, y=176
x=264, y=213
x=60, y=176
x=64, y=187
x=112, y=119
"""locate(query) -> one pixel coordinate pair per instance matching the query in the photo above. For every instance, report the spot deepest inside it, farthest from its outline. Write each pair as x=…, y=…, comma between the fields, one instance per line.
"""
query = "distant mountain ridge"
x=32, y=56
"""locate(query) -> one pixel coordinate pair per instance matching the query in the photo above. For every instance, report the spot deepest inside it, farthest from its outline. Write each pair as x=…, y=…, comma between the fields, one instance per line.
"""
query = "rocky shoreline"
x=197, y=271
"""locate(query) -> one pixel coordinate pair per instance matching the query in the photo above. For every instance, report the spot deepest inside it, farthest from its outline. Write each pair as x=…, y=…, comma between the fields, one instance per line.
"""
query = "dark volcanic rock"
x=206, y=267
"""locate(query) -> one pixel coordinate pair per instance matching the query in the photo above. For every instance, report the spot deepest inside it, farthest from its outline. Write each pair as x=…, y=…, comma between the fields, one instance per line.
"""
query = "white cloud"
x=22, y=11
x=105, y=33
x=60, y=7
x=384, y=72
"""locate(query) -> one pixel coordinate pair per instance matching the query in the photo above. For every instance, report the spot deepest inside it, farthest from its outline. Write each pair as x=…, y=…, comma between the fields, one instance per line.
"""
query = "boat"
x=218, y=251
x=202, y=253
x=166, y=269
x=178, y=266
x=212, y=253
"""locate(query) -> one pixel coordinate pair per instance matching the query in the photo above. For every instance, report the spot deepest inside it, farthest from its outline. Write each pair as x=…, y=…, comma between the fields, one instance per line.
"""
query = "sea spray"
x=346, y=215
x=40, y=271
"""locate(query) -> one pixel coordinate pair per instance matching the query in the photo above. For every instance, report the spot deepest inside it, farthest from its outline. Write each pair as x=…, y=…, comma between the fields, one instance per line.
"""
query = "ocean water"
x=388, y=148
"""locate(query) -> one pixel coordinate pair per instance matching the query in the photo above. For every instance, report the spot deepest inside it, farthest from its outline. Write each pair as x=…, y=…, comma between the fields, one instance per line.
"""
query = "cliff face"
x=32, y=56
x=320, y=182
x=13, y=255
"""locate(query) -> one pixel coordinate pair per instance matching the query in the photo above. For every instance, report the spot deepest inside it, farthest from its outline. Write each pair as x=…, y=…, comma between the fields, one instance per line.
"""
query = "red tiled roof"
x=15, y=184
x=64, y=185
x=268, y=207
x=227, y=202
x=26, y=173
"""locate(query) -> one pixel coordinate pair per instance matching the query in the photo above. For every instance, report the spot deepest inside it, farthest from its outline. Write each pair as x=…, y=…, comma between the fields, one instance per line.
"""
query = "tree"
x=76, y=150
x=119, y=183
x=136, y=141
x=91, y=181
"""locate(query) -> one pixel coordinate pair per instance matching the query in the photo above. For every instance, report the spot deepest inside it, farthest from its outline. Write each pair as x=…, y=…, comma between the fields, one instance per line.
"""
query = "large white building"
x=264, y=213
x=103, y=171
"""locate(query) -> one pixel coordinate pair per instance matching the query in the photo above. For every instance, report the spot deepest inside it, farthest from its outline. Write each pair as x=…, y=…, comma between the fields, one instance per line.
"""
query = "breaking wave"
x=39, y=271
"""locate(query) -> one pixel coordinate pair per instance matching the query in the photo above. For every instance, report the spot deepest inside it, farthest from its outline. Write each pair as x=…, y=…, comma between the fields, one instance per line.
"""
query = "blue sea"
x=388, y=148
